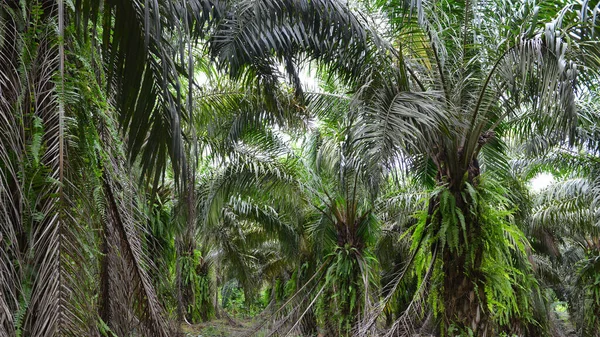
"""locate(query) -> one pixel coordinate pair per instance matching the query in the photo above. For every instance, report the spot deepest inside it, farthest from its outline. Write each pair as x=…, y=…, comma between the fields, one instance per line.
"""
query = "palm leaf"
x=128, y=287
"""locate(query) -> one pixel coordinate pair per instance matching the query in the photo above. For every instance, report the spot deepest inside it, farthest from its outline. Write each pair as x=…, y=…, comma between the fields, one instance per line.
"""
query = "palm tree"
x=439, y=103
x=460, y=76
x=72, y=77
x=563, y=228
x=345, y=228
x=49, y=159
x=562, y=218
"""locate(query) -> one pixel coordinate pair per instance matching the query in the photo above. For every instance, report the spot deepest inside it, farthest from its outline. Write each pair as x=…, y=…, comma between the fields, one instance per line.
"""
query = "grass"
x=217, y=328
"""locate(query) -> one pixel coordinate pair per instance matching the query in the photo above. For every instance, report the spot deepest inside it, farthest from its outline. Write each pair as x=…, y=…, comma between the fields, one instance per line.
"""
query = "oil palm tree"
x=50, y=254
x=572, y=250
x=346, y=227
x=461, y=76
x=73, y=74
x=562, y=218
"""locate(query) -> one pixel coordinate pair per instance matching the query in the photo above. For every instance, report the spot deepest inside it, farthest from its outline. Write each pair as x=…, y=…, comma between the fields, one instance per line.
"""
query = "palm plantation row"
x=363, y=167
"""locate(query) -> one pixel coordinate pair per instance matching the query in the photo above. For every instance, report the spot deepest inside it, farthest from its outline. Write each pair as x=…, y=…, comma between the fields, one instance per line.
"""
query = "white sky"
x=541, y=181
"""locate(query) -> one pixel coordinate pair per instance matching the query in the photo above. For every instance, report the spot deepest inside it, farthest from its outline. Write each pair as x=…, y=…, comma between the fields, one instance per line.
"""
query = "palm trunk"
x=185, y=293
x=463, y=295
x=216, y=293
x=179, y=283
x=104, y=298
x=347, y=314
x=186, y=245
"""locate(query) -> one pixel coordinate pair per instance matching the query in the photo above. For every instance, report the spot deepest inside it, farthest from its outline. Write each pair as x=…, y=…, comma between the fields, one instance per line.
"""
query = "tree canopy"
x=299, y=167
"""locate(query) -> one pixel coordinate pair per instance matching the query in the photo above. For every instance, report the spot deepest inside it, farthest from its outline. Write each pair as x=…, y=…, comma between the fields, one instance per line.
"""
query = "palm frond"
x=256, y=33
x=142, y=51
x=11, y=187
x=38, y=203
x=271, y=222
x=568, y=201
x=129, y=286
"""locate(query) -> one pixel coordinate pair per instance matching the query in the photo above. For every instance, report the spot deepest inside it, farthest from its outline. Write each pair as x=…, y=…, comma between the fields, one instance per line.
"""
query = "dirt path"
x=218, y=328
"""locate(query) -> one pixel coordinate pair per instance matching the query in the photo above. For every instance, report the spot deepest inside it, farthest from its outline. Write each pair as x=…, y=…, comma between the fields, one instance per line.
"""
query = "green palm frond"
x=271, y=223
x=138, y=54
x=567, y=201
x=147, y=46
x=398, y=121
x=230, y=116
x=255, y=34
x=244, y=172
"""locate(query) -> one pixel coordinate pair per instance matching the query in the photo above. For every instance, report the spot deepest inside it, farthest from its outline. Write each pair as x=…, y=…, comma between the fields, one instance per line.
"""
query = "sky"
x=541, y=181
